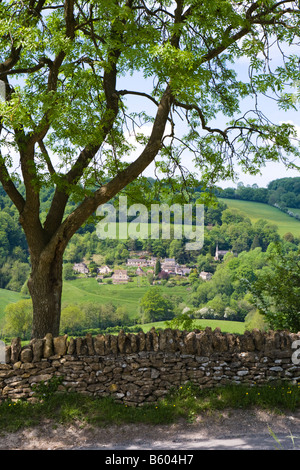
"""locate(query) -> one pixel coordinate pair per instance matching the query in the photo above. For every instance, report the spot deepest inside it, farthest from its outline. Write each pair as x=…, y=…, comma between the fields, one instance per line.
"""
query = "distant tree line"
x=283, y=192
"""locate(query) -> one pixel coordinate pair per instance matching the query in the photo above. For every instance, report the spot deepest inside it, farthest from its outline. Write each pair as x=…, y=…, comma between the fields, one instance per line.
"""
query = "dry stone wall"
x=140, y=368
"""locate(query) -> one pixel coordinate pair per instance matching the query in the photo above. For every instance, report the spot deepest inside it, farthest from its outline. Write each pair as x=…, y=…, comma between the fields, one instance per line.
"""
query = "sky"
x=270, y=172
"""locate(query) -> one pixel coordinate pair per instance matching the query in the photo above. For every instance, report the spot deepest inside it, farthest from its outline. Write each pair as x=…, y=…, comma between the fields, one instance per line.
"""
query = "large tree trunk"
x=45, y=287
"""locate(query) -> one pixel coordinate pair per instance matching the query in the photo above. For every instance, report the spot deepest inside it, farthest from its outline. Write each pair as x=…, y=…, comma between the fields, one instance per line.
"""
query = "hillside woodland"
x=251, y=249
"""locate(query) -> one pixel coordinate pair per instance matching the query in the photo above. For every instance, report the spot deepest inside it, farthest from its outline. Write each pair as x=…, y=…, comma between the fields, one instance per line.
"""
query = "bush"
x=155, y=306
x=44, y=390
x=182, y=322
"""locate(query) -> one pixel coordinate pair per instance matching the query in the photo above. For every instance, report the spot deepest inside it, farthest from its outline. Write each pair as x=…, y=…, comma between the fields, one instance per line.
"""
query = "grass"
x=83, y=290
x=190, y=400
x=225, y=326
x=258, y=210
x=186, y=402
x=7, y=297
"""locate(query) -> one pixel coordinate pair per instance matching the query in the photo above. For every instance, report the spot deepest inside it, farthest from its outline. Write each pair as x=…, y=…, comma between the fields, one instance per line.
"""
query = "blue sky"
x=271, y=170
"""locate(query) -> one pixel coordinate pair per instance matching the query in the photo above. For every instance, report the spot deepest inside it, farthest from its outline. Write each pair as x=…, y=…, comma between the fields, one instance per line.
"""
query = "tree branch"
x=125, y=177
x=10, y=62
x=43, y=61
x=138, y=93
x=194, y=107
x=46, y=157
x=259, y=19
x=44, y=125
x=10, y=188
x=54, y=216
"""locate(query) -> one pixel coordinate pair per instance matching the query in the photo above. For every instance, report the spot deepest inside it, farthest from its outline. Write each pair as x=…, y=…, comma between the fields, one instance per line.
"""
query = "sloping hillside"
x=258, y=210
x=7, y=297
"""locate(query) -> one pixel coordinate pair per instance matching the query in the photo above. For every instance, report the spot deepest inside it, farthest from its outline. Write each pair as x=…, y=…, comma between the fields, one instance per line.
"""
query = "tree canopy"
x=80, y=77
x=155, y=306
x=277, y=288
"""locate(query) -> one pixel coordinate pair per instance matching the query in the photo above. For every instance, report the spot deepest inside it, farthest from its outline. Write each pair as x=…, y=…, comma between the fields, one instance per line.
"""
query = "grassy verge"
x=186, y=402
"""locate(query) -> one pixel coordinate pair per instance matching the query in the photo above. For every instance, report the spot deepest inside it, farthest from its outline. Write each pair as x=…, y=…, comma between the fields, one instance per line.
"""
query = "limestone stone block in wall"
x=258, y=338
x=26, y=354
x=60, y=345
x=204, y=344
x=190, y=343
x=15, y=349
x=167, y=341
x=247, y=342
x=37, y=346
x=48, y=346
x=71, y=346
x=99, y=345
x=81, y=346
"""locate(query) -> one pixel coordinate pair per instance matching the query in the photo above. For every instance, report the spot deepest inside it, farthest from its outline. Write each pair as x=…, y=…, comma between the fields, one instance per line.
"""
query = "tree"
x=18, y=318
x=19, y=273
x=276, y=292
x=217, y=305
x=289, y=237
x=182, y=322
x=177, y=250
x=68, y=117
x=13, y=274
x=68, y=272
x=150, y=277
x=72, y=318
x=255, y=242
x=266, y=233
x=193, y=276
x=155, y=306
x=157, y=267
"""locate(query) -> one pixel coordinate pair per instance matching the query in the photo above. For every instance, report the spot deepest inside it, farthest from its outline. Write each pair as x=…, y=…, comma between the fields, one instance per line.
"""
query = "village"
x=144, y=264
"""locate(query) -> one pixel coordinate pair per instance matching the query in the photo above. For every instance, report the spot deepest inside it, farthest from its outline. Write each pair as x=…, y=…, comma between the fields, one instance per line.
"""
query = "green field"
x=89, y=290
x=258, y=210
x=7, y=297
x=224, y=325
x=84, y=290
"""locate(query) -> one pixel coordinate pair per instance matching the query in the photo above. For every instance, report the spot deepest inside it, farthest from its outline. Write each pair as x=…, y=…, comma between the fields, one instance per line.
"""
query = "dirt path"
x=244, y=426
